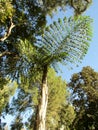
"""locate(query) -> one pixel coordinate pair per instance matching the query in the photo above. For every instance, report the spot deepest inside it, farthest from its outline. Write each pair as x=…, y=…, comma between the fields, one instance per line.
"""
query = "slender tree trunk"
x=42, y=107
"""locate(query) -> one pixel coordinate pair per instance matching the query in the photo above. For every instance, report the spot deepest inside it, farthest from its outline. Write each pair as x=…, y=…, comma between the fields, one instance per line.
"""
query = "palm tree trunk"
x=42, y=108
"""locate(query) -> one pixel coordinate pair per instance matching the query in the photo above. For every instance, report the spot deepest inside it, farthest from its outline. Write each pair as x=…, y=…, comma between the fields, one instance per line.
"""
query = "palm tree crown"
x=65, y=41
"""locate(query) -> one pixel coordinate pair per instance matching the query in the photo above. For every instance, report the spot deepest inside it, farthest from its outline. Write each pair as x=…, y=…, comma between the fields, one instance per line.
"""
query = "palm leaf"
x=65, y=41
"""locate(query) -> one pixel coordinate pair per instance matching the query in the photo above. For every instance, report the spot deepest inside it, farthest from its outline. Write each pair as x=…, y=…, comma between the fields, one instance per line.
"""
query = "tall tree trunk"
x=42, y=107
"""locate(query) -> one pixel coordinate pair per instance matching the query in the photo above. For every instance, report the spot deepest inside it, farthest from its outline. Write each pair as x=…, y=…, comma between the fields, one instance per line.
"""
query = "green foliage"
x=3, y=81
x=49, y=6
x=57, y=87
x=80, y=6
x=67, y=47
x=84, y=87
x=26, y=50
x=30, y=47
x=29, y=53
x=5, y=93
x=26, y=101
x=67, y=115
x=6, y=11
x=59, y=112
x=27, y=23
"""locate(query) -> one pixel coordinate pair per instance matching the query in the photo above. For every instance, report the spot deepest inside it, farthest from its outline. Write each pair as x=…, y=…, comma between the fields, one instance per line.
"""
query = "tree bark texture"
x=42, y=107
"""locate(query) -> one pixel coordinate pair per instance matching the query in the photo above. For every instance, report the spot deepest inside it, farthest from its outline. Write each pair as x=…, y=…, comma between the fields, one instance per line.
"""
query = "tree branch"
x=7, y=34
x=8, y=53
x=5, y=53
x=77, y=9
x=73, y=5
x=89, y=1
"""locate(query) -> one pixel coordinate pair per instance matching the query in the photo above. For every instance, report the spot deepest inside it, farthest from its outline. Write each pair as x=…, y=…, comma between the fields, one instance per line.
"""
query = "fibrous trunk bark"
x=42, y=107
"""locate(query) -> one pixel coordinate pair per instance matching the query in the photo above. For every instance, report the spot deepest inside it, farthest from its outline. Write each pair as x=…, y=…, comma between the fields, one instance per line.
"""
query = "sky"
x=91, y=57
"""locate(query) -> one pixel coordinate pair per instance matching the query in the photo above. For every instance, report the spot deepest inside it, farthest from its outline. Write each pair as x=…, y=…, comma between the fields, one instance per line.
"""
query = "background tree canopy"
x=25, y=102
x=84, y=86
x=20, y=20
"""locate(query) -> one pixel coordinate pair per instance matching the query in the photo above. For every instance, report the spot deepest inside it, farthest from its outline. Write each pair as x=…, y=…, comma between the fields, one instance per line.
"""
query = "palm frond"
x=65, y=41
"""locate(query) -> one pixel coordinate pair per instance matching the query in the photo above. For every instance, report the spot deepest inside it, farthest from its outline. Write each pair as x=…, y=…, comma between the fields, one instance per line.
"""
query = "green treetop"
x=84, y=87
